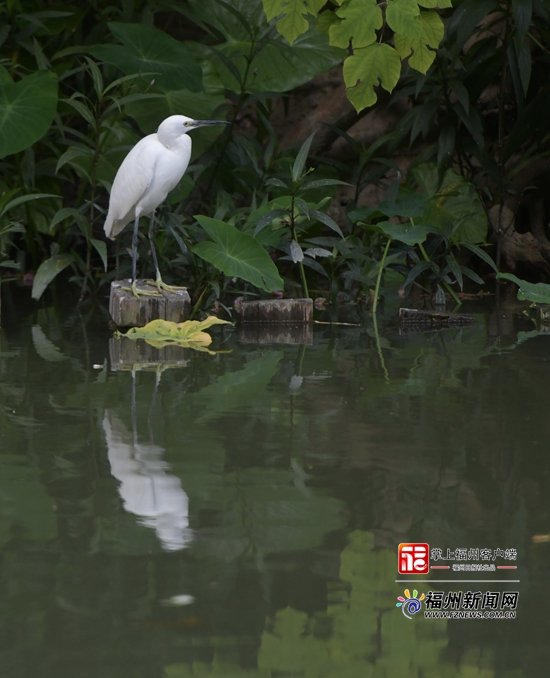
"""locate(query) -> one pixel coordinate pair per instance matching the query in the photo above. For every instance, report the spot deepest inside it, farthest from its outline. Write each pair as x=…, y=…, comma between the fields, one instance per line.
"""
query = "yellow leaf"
x=191, y=334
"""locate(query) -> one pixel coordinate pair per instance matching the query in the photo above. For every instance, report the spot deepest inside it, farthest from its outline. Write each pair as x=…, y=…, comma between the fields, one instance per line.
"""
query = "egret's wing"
x=132, y=180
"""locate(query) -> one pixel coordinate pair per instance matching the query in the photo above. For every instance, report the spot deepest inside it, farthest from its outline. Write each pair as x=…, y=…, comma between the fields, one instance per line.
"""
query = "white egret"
x=147, y=174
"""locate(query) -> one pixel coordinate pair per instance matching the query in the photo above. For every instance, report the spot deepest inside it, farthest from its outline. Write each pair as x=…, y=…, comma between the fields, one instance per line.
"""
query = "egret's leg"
x=133, y=287
x=159, y=284
x=134, y=250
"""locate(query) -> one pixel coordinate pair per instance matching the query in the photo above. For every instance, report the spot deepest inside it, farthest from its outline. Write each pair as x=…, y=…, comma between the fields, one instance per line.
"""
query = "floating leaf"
x=190, y=334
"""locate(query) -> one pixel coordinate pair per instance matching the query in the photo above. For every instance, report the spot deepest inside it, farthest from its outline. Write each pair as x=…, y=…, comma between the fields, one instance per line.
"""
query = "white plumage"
x=149, y=172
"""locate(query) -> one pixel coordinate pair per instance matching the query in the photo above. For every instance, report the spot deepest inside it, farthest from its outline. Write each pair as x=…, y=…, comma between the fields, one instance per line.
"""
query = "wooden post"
x=273, y=333
x=129, y=311
x=297, y=311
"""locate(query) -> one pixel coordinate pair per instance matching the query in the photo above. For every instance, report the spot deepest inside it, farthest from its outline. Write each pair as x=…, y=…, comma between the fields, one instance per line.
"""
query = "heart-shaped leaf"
x=237, y=254
x=27, y=108
x=150, y=50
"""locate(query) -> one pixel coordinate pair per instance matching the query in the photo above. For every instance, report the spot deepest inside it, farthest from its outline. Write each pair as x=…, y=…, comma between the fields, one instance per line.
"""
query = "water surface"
x=238, y=514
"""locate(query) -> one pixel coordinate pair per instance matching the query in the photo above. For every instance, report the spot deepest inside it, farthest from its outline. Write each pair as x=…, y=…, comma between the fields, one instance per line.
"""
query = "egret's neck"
x=174, y=143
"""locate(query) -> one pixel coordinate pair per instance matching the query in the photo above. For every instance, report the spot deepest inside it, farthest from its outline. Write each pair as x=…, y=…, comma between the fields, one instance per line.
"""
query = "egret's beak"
x=206, y=123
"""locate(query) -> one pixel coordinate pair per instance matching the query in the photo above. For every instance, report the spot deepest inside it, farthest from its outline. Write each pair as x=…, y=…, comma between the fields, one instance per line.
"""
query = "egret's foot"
x=163, y=287
x=137, y=292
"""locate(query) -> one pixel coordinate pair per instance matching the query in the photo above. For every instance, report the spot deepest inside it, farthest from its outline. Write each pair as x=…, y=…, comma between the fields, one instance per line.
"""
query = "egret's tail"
x=108, y=227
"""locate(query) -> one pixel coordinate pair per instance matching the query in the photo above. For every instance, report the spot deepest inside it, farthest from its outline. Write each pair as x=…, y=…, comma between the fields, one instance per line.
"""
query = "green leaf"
x=533, y=117
x=326, y=220
x=101, y=249
x=237, y=254
x=378, y=63
x=321, y=183
x=47, y=271
x=413, y=205
x=150, y=50
x=431, y=36
x=301, y=158
x=536, y=292
x=455, y=202
x=360, y=21
x=482, y=254
x=417, y=270
x=25, y=198
x=455, y=269
x=403, y=16
x=431, y=4
x=446, y=146
x=27, y=109
x=293, y=22
x=268, y=218
x=277, y=67
x=522, y=11
x=407, y=233
x=5, y=77
x=460, y=92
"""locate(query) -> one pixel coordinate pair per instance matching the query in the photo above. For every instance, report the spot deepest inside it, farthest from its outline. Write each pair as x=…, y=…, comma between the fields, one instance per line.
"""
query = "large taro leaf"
x=407, y=233
x=150, y=50
x=453, y=201
x=538, y=293
x=276, y=67
x=237, y=254
x=27, y=109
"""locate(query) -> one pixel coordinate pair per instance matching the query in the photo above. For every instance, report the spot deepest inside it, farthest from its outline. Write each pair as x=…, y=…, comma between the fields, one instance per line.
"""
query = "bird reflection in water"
x=147, y=488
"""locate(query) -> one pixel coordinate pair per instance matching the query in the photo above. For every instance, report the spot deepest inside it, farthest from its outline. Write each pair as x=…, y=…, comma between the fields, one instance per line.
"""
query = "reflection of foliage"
x=265, y=511
x=368, y=636
x=26, y=511
x=241, y=430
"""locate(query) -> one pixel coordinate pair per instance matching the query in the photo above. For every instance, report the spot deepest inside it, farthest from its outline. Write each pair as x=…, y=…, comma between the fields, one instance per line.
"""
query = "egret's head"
x=176, y=125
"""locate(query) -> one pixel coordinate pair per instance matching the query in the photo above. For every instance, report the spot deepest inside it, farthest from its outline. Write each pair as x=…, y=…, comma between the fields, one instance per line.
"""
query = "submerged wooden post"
x=296, y=311
x=129, y=311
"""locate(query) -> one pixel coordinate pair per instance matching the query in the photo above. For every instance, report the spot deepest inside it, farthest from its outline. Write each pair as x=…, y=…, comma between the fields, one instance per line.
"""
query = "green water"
x=238, y=514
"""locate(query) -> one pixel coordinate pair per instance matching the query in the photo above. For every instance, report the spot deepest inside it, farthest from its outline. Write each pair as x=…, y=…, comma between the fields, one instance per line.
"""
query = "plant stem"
x=300, y=264
x=379, y=348
x=444, y=282
x=379, y=278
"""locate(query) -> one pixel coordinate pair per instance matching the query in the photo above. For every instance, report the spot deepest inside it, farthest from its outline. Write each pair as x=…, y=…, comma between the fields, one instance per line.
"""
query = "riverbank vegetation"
x=398, y=147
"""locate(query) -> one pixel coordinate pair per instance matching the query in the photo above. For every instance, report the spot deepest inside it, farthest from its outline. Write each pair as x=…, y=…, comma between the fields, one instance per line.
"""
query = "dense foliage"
x=81, y=83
